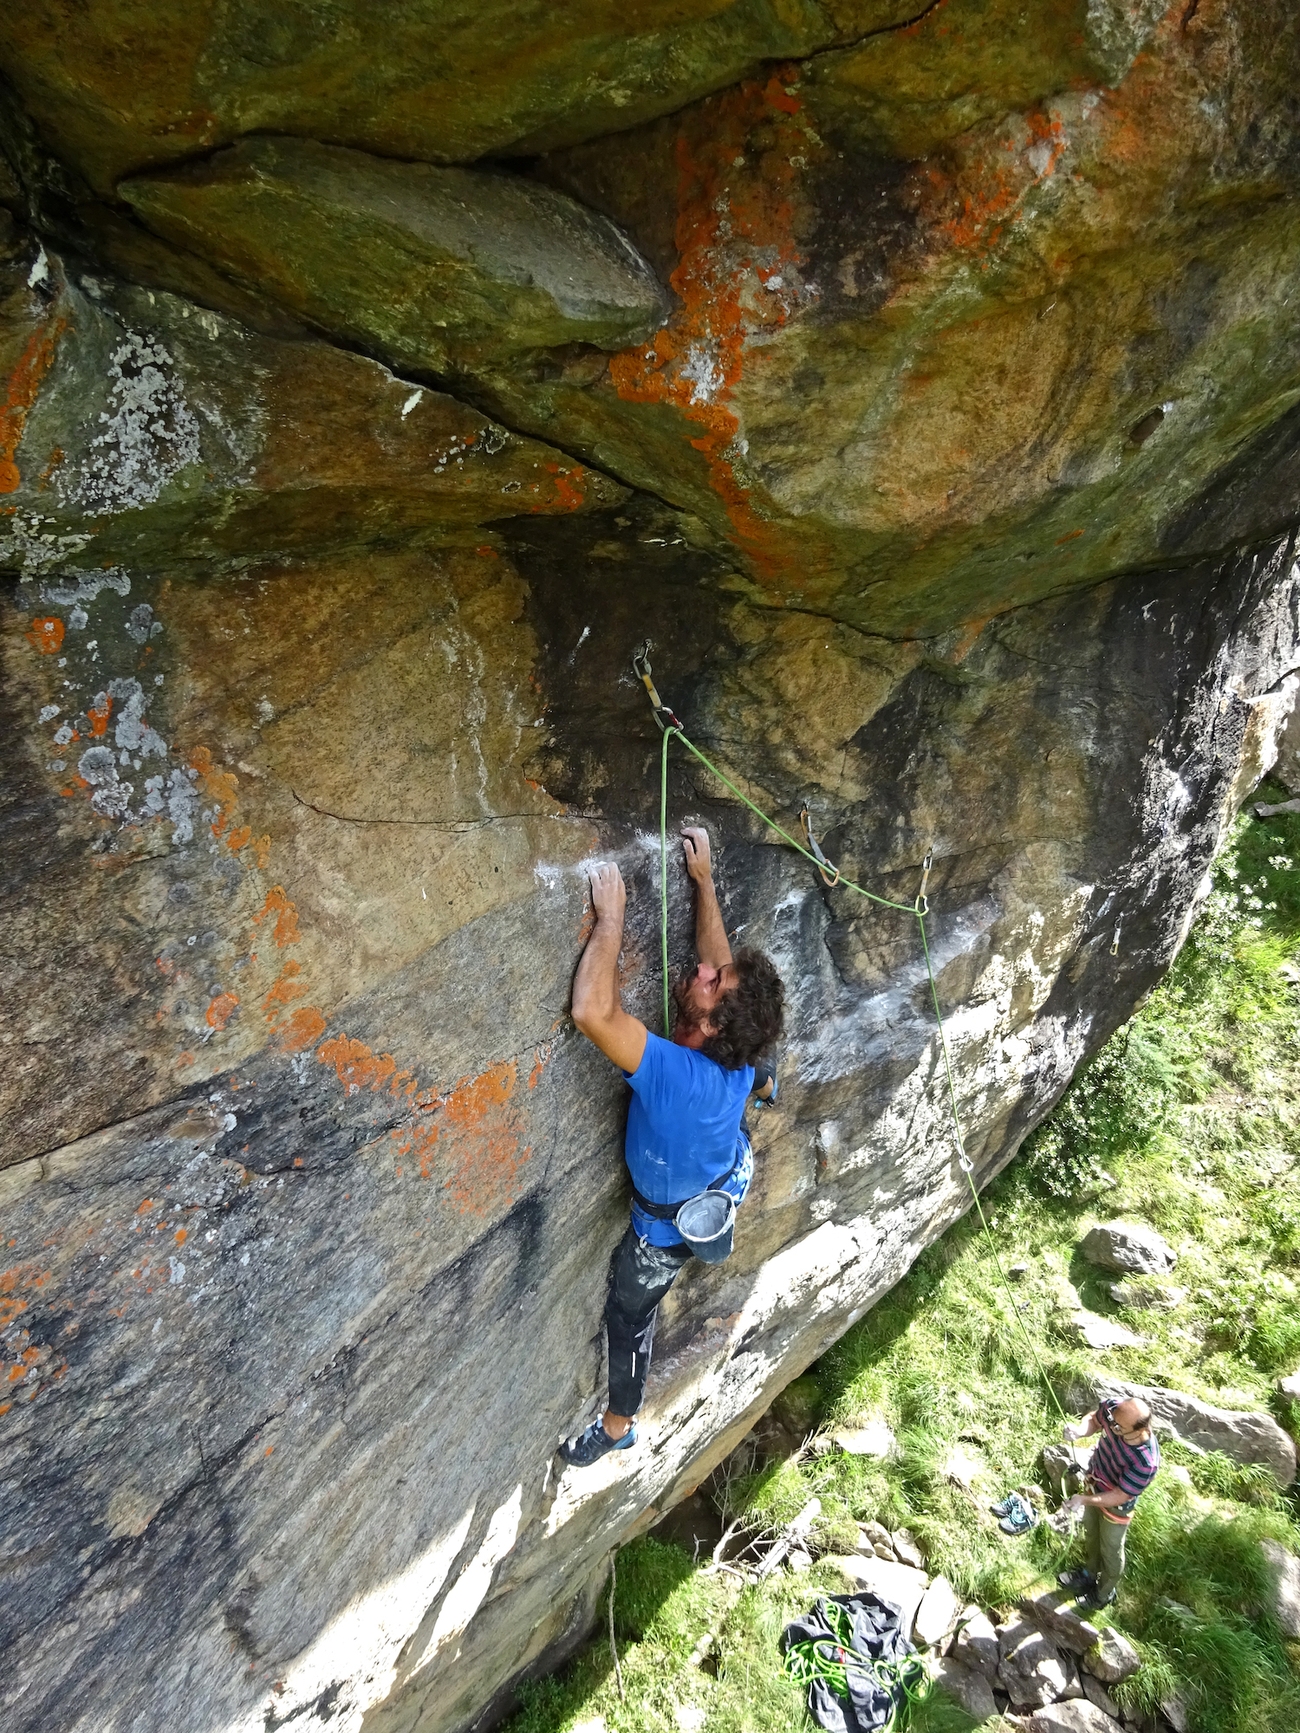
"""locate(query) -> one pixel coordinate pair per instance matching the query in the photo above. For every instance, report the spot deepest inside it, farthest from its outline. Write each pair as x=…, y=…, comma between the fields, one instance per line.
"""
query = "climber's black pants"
x=642, y=1274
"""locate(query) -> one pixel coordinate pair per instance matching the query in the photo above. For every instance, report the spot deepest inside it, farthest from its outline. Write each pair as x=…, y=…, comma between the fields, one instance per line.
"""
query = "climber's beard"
x=689, y=1016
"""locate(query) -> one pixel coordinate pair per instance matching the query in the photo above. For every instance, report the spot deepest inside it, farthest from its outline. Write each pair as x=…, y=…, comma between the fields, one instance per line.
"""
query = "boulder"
x=1087, y=1330
x=1032, y=1670
x=1284, y=1568
x=877, y=1539
x=1114, y=1658
x=897, y=1583
x=317, y=708
x=1130, y=1247
x=428, y=267
x=906, y=1549
x=936, y=1615
x=1053, y=1611
x=1077, y=1716
x=1143, y=1294
x=1290, y=1386
x=1242, y=1435
x=1099, y=1696
x=970, y=1688
x=876, y=1439
x=977, y=1644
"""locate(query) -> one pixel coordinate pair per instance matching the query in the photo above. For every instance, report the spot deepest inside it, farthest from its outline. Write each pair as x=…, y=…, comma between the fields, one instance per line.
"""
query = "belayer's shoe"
x=1092, y=1602
x=1081, y=1582
x=595, y=1442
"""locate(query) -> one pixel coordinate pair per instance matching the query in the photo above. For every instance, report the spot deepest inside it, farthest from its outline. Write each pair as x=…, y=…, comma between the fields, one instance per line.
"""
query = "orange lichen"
x=221, y=1010
x=46, y=634
x=356, y=1065
x=286, y=916
x=735, y=241
x=20, y=394
x=98, y=715
x=303, y=1028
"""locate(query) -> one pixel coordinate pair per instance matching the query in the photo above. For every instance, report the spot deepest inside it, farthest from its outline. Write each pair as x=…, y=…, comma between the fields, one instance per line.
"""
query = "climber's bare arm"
x=597, y=1008
x=711, y=945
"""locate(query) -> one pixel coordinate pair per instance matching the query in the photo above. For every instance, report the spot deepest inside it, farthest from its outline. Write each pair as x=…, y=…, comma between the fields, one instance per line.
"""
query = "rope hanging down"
x=919, y=909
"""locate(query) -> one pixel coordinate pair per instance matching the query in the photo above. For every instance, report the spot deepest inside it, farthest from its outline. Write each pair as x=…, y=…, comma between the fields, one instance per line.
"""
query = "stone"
x=1053, y=1611
x=798, y=1407
x=1113, y=1659
x=1088, y=1330
x=1244, y=1436
x=876, y=1536
x=899, y=1584
x=1099, y=1696
x=1128, y=1247
x=1145, y=1295
x=798, y=1559
x=936, y=1615
x=424, y=265
x=1032, y=1669
x=1077, y=1716
x=905, y=1548
x=876, y=1439
x=969, y=1688
x=1284, y=1568
x=977, y=1645
x=1290, y=1386
x=1176, y=1713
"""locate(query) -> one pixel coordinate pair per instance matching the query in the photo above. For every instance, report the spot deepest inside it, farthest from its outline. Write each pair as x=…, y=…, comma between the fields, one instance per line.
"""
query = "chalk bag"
x=707, y=1222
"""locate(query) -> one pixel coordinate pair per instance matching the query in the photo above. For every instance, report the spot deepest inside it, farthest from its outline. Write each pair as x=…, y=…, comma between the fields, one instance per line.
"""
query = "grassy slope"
x=1189, y=1120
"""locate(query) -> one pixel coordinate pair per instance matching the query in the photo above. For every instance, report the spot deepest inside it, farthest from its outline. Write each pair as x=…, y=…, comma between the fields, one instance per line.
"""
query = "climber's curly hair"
x=749, y=1019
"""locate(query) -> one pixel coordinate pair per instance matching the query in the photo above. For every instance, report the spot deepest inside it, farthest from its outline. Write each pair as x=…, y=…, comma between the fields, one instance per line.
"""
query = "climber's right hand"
x=608, y=892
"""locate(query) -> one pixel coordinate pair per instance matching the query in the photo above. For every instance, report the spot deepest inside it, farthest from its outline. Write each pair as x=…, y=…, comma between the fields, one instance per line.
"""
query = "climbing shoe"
x=595, y=1442
x=1092, y=1602
x=1019, y=1517
x=1080, y=1581
x=1001, y=1509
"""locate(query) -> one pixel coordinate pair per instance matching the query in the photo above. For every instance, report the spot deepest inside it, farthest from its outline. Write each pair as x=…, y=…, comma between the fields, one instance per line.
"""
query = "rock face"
x=1285, y=1569
x=927, y=395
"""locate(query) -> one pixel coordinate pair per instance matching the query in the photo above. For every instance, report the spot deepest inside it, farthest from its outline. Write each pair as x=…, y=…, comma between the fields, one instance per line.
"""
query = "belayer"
x=687, y=1140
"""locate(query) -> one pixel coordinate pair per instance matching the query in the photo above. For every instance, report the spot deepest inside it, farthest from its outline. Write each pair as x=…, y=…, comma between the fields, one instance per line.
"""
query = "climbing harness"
x=919, y=908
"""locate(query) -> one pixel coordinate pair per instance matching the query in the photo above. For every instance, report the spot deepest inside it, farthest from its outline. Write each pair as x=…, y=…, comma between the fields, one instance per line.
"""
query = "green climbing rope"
x=819, y=1658
x=918, y=910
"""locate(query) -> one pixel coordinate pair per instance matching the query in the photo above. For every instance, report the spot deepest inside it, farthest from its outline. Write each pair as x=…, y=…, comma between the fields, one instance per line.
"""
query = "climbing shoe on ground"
x=1080, y=1581
x=1019, y=1517
x=595, y=1442
x=1001, y=1509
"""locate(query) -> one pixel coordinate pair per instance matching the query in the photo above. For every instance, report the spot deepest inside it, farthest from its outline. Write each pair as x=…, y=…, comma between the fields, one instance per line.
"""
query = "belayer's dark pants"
x=641, y=1276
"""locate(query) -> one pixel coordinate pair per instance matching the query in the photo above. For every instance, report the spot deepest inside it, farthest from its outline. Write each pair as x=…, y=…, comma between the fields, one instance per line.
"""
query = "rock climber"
x=686, y=1128
x=1123, y=1465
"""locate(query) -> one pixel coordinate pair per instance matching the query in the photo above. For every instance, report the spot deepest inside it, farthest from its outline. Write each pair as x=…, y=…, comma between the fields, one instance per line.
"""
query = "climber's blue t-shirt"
x=683, y=1130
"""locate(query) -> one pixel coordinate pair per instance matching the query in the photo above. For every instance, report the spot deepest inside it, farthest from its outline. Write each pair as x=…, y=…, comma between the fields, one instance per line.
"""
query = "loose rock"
x=977, y=1645
x=1242, y=1435
x=1078, y=1716
x=936, y=1615
x=1114, y=1658
x=898, y=1583
x=906, y=1549
x=1032, y=1670
x=1147, y=1295
x=874, y=1439
x=970, y=1688
x=1285, y=1569
x=1128, y=1247
x=1054, y=1613
x=1090, y=1331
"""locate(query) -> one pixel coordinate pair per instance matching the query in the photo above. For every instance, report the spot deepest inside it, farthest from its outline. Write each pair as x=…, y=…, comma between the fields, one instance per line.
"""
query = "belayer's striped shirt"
x=1128, y=1468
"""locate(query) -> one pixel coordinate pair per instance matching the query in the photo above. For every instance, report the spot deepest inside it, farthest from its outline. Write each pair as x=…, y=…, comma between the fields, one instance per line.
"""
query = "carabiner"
x=641, y=668
x=814, y=848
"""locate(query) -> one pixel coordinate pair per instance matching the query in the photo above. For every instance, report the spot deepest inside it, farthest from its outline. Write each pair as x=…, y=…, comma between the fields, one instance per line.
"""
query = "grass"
x=1189, y=1120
